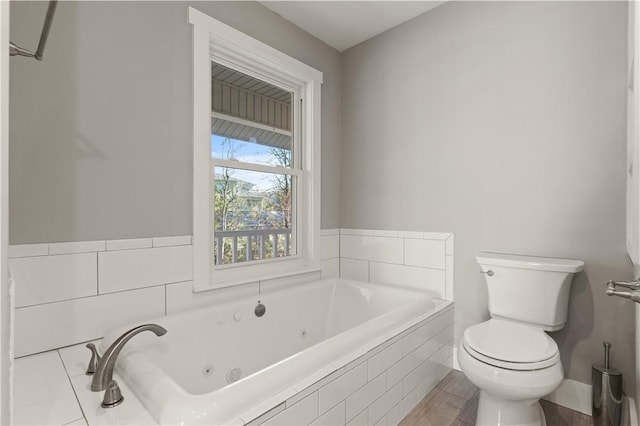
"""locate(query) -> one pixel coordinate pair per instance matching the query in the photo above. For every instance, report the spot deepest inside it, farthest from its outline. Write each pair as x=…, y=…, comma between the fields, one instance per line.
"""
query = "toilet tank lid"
x=530, y=262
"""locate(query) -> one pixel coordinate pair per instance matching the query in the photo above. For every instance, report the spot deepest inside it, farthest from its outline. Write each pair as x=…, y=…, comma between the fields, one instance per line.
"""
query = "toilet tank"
x=528, y=289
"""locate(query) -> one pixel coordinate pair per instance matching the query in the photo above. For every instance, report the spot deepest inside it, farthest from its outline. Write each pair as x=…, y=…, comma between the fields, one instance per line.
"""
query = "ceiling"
x=343, y=24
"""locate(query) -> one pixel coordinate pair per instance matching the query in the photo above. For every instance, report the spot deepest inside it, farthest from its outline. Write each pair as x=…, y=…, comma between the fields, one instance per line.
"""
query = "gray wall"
x=101, y=129
x=504, y=123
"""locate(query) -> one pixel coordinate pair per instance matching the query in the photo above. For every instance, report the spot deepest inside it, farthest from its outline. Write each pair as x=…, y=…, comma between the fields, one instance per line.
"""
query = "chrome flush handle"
x=488, y=272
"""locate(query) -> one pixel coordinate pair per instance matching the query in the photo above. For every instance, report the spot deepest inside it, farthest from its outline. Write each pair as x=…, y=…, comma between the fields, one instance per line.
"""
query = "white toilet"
x=510, y=357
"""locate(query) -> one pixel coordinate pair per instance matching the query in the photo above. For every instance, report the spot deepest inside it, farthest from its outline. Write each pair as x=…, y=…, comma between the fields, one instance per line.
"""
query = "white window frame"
x=218, y=42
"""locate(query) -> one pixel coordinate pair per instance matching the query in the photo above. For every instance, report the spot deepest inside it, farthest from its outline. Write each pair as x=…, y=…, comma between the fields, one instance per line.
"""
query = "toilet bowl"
x=510, y=357
x=514, y=366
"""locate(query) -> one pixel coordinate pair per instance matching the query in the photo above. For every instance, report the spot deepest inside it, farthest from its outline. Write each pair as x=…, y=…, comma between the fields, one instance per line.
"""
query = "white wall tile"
x=426, y=386
x=411, y=234
x=436, y=235
x=364, y=396
x=386, y=402
x=77, y=247
x=352, y=269
x=398, y=371
x=431, y=280
x=332, y=231
x=79, y=422
x=130, y=244
x=181, y=297
x=42, y=392
x=382, y=422
x=426, y=350
x=361, y=419
x=76, y=358
x=348, y=231
x=28, y=250
x=330, y=268
x=329, y=247
x=342, y=387
x=302, y=413
x=54, y=325
x=449, y=278
x=403, y=408
x=45, y=279
x=424, y=253
x=182, y=240
x=379, y=249
x=385, y=233
x=130, y=269
x=449, y=245
x=335, y=416
x=383, y=360
x=266, y=416
x=421, y=372
x=309, y=385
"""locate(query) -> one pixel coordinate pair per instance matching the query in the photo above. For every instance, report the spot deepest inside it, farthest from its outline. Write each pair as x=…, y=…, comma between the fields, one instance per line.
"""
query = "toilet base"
x=496, y=411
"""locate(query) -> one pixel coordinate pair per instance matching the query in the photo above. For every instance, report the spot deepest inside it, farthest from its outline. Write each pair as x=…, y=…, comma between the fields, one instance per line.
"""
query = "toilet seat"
x=510, y=345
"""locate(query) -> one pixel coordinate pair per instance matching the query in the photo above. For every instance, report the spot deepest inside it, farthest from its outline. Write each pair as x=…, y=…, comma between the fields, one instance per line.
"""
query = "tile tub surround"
x=74, y=287
x=399, y=257
x=382, y=386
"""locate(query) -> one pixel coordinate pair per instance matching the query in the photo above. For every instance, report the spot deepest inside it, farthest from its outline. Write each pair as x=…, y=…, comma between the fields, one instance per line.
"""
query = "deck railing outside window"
x=254, y=244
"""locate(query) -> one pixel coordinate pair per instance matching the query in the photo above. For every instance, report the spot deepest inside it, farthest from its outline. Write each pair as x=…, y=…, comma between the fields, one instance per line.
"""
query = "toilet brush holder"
x=606, y=392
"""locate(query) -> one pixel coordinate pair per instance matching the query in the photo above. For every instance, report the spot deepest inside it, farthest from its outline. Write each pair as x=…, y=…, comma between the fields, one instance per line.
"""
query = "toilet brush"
x=606, y=392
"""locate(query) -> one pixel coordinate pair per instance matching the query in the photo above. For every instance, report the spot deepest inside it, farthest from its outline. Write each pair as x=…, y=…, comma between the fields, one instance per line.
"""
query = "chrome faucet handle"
x=94, y=361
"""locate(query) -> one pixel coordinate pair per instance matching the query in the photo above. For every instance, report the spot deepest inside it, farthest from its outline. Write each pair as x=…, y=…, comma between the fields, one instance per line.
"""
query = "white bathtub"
x=308, y=332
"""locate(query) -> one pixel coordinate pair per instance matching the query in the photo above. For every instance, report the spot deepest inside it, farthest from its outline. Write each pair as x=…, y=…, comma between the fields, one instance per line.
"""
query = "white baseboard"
x=456, y=365
x=629, y=415
x=572, y=394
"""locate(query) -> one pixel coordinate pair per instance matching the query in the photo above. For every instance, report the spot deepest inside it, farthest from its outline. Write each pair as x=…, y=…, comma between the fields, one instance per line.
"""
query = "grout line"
x=95, y=295
x=396, y=264
x=77, y=420
x=72, y=388
x=98, y=273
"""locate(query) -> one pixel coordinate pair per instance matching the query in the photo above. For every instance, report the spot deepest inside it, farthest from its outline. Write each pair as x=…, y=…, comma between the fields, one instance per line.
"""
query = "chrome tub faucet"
x=103, y=376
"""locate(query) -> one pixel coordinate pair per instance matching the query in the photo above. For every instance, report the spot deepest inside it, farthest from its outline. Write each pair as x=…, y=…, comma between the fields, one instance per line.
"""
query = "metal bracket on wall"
x=633, y=286
x=15, y=50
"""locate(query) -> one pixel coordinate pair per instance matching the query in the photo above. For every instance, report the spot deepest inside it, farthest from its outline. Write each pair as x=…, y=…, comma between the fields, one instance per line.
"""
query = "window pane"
x=251, y=120
x=253, y=215
x=249, y=152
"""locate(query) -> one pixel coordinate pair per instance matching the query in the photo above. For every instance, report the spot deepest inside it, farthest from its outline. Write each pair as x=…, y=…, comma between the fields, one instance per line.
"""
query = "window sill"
x=293, y=274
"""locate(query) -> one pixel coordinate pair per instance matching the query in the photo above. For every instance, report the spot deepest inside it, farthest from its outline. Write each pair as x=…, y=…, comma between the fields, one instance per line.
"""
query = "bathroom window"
x=254, y=169
x=256, y=159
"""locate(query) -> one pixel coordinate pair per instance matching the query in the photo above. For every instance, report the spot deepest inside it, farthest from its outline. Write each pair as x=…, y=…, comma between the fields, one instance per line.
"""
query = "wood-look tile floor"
x=455, y=402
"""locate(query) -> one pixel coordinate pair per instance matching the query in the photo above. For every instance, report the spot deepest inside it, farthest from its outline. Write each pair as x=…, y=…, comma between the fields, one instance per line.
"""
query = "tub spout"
x=104, y=372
